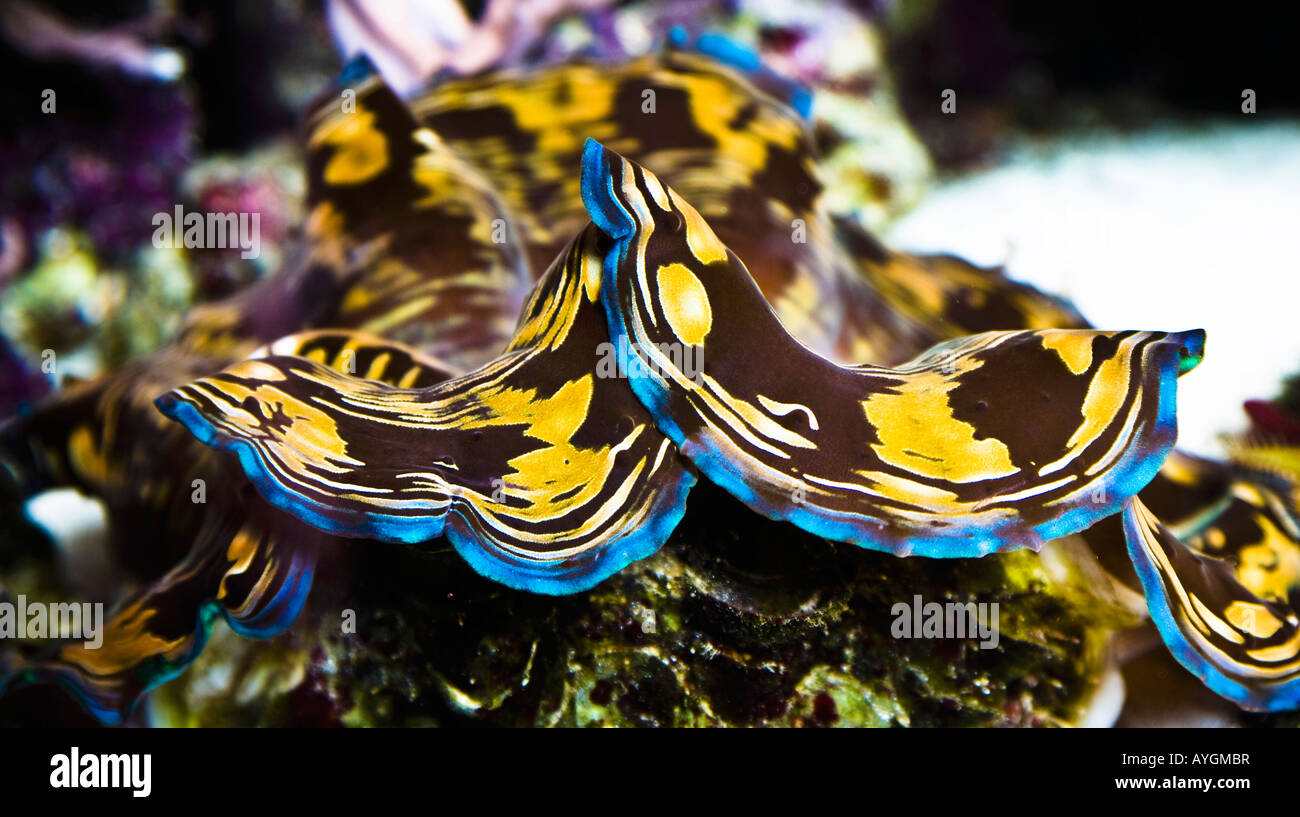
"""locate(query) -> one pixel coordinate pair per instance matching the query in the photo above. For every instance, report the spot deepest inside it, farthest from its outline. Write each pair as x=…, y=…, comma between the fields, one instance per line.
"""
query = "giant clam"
x=374, y=389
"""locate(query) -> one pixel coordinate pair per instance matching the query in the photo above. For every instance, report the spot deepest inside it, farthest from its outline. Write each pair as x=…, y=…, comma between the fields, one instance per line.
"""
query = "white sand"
x=1171, y=229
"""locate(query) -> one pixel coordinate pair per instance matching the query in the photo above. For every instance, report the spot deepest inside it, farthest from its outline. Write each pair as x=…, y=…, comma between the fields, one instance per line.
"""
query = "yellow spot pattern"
x=919, y=434
x=1074, y=348
x=362, y=150
x=685, y=303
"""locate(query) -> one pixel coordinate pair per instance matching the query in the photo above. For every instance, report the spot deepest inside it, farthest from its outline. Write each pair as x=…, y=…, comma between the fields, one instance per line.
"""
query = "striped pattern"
x=404, y=240
x=254, y=569
x=544, y=476
x=995, y=441
x=1225, y=619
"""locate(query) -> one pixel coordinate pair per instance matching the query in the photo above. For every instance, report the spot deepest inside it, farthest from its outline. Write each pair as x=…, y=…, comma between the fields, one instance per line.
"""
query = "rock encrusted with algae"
x=731, y=624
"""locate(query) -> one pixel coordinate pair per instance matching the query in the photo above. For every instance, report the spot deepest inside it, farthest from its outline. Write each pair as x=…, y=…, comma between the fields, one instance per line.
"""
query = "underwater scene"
x=677, y=363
